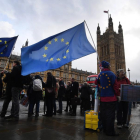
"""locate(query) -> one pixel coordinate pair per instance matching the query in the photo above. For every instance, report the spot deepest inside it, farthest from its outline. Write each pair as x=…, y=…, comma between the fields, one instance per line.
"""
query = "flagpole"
x=92, y=41
x=108, y=15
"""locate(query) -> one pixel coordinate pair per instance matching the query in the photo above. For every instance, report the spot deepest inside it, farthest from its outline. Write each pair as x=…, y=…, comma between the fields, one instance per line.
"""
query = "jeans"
x=31, y=106
x=15, y=101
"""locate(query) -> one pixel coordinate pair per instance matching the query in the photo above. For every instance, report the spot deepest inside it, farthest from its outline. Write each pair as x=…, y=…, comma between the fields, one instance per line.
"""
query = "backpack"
x=37, y=85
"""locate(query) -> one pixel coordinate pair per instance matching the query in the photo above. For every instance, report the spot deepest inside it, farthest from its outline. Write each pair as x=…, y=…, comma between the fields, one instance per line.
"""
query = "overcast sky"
x=39, y=19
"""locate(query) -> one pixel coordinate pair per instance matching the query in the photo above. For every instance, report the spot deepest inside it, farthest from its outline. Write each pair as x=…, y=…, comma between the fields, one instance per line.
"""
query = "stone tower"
x=110, y=47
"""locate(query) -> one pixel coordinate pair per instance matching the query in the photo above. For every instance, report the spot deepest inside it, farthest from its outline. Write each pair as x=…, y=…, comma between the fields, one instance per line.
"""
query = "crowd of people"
x=108, y=88
x=55, y=89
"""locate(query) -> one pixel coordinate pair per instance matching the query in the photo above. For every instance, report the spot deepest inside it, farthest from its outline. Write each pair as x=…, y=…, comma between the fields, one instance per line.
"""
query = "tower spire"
x=110, y=24
x=120, y=28
x=98, y=30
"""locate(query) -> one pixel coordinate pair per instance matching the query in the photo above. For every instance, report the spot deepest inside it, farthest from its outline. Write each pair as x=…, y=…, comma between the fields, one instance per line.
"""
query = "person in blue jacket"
x=108, y=97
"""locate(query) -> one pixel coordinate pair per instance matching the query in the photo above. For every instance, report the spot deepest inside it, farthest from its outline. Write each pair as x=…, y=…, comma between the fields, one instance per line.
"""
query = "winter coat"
x=124, y=80
x=68, y=91
x=85, y=92
x=74, y=89
x=50, y=87
x=61, y=90
x=34, y=95
x=108, y=86
x=16, y=77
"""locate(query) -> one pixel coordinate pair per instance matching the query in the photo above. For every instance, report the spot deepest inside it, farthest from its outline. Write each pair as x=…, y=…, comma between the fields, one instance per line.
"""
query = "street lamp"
x=129, y=73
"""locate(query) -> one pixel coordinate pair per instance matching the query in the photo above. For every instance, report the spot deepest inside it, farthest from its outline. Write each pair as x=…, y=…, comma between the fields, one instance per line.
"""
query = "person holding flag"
x=6, y=47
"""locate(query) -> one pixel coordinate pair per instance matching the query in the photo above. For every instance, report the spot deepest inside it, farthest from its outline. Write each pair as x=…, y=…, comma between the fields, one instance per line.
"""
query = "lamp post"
x=129, y=73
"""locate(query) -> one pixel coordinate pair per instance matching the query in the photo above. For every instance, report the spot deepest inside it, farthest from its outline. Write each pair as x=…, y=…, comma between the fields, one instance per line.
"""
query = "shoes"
x=8, y=117
x=2, y=116
x=12, y=118
x=119, y=126
x=36, y=115
x=60, y=112
x=66, y=110
x=114, y=134
x=54, y=113
x=73, y=114
x=126, y=125
x=30, y=115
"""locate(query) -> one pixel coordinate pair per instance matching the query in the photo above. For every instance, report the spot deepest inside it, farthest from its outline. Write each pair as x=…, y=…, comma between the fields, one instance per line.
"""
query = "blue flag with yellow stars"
x=55, y=51
x=6, y=46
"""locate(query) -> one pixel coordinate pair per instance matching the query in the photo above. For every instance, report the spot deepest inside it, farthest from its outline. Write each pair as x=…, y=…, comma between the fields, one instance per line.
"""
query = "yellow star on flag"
x=1, y=52
x=62, y=40
x=47, y=60
x=0, y=40
x=46, y=48
x=49, y=42
x=5, y=42
x=67, y=43
x=6, y=45
x=51, y=59
x=67, y=51
x=64, y=57
x=55, y=39
x=58, y=59
x=44, y=55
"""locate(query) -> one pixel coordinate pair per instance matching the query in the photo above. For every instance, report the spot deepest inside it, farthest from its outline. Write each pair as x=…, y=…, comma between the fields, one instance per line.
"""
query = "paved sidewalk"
x=61, y=127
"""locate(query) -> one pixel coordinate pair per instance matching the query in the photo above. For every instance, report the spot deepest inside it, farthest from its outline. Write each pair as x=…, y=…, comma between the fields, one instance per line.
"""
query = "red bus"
x=91, y=80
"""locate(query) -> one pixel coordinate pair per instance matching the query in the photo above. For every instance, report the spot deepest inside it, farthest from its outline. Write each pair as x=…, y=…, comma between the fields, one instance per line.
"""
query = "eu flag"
x=6, y=46
x=55, y=51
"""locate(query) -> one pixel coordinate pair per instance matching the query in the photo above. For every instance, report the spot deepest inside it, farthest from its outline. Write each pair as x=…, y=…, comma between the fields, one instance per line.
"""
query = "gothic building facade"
x=110, y=47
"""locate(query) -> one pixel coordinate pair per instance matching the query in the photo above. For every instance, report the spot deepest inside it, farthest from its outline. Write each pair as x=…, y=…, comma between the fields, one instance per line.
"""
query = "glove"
x=118, y=98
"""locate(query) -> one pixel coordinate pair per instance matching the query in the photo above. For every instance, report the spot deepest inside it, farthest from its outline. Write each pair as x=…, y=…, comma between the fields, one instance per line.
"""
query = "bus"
x=91, y=80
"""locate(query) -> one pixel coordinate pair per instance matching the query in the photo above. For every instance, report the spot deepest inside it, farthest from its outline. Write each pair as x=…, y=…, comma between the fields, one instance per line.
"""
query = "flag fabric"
x=55, y=51
x=105, y=11
x=6, y=46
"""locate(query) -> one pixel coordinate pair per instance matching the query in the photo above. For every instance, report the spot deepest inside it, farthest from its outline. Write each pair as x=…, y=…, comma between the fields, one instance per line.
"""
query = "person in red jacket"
x=122, y=109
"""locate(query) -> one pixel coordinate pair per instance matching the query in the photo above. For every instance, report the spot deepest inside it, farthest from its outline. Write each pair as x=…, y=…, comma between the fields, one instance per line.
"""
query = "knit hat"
x=105, y=64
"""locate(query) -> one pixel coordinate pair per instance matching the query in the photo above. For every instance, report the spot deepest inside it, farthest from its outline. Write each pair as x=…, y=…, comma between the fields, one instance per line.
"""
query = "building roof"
x=82, y=72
